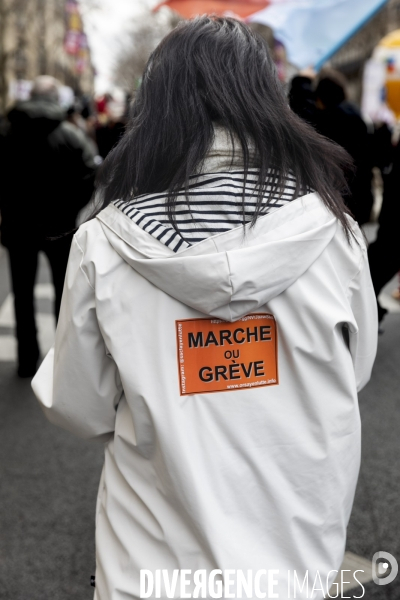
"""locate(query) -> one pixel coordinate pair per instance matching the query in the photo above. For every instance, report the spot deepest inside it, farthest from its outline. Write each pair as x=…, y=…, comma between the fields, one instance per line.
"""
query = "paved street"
x=49, y=479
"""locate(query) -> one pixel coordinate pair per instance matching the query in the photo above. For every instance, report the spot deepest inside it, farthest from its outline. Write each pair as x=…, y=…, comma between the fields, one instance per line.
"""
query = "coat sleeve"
x=78, y=383
x=363, y=339
x=78, y=155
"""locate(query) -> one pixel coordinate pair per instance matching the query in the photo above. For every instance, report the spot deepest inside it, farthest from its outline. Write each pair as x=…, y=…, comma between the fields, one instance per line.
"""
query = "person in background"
x=48, y=172
x=328, y=110
x=85, y=124
x=112, y=119
x=384, y=253
x=302, y=95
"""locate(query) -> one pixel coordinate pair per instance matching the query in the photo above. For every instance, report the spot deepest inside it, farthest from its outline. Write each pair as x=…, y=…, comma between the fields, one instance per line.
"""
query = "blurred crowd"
x=50, y=155
x=322, y=101
x=102, y=119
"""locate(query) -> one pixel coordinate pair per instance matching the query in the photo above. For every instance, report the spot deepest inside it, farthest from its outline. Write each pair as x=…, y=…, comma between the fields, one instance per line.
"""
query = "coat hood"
x=37, y=115
x=231, y=274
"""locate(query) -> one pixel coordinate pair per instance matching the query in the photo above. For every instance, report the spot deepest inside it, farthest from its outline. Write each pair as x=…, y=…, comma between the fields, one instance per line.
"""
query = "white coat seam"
x=80, y=264
x=230, y=283
x=360, y=267
x=108, y=353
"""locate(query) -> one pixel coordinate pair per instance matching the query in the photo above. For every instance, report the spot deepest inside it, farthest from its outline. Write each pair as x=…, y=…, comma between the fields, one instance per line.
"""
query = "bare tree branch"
x=145, y=34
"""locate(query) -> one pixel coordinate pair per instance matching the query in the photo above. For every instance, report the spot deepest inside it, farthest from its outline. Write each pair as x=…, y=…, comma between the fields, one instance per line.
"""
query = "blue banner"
x=313, y=30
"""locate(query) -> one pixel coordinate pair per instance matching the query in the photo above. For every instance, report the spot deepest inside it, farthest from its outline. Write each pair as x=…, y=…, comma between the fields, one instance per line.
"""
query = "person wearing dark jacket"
x=48, y=169
x=333, y=116
x=384, y=253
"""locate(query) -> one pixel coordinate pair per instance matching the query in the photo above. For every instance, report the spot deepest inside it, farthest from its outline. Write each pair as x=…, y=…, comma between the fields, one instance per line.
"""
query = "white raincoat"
x=213, y=460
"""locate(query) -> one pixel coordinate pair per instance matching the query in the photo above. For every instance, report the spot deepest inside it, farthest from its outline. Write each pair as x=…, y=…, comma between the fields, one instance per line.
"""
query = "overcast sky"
x=106, y=27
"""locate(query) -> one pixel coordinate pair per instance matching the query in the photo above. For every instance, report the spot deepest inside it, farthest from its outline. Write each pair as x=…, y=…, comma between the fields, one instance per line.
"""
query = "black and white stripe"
x=215, y=207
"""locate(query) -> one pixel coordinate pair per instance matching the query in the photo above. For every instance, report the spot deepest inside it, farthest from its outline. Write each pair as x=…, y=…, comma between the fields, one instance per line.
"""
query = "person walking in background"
x=328, y=110
x=111, y=121
x=384, y=252
x=217, y=321
x=48, y=170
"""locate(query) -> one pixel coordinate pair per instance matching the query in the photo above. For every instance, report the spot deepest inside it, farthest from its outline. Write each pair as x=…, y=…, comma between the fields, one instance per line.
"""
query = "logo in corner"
x=384, y=568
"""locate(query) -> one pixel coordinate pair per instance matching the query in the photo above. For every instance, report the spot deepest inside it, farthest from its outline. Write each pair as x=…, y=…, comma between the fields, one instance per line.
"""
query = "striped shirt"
x=216, y=206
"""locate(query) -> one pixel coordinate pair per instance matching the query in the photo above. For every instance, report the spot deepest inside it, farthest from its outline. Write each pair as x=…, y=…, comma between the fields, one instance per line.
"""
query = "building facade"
x=351, y=58
x=33, y=41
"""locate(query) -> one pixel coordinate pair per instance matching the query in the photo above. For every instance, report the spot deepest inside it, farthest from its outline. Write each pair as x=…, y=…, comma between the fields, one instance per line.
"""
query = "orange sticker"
x=215, y=355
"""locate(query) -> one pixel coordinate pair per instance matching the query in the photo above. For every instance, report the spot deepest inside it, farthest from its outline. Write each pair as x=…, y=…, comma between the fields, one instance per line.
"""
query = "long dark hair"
x=210, y=71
